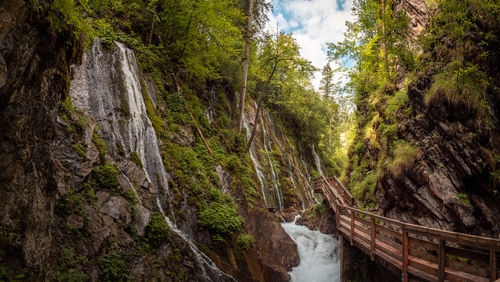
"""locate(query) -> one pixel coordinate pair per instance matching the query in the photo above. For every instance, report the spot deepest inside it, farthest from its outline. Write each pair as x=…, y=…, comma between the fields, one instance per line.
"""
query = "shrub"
x=221, y=218
x=113, y=268
x=245, y=241
x=106, y=176
x=459, y=84
x=156, y=232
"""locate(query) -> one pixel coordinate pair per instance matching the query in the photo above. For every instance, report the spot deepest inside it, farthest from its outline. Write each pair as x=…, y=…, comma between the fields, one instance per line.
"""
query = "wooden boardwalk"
x=419, y=252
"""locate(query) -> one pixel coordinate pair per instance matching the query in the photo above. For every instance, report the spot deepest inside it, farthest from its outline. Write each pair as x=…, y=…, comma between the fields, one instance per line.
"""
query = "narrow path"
x=426, y=253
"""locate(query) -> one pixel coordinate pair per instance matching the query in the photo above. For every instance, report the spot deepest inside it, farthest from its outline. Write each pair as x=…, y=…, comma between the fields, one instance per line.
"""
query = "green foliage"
x=244, y=241
x=136, y=159
x=4, y=276
x=113, y=268
x=64, y=15
x=153, y=115
x=460, y=84
x=69, y=267
x=364, y=190
x=463, y=198
x=81, y=149
x=221, y=218
x=102, y=147
x=106, y=177
x=319, y=209
x=156, y=232
x=70, y=203
x=405, y=155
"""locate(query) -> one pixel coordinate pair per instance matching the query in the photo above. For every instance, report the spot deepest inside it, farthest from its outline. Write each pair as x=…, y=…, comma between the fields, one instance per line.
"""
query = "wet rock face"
x=448, y=185
x=34, y=68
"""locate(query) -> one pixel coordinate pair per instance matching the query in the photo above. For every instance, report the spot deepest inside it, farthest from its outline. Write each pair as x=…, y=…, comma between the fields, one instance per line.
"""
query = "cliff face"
x=92, y=189
x=34, y=76
x=444, y=157
x=453, y=160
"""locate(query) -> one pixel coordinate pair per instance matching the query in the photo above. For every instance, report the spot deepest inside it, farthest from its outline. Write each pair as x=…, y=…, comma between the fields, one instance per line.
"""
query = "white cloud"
x=313, y=23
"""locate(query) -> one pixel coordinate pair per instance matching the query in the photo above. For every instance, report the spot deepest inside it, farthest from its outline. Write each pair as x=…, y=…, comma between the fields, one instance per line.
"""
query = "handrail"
x=373, y=239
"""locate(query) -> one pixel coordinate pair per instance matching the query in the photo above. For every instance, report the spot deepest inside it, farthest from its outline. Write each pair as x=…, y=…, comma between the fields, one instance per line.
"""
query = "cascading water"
x=258, y=170
x=113, y=97
x=317, y=161
x=318, y=253
x=276, y=187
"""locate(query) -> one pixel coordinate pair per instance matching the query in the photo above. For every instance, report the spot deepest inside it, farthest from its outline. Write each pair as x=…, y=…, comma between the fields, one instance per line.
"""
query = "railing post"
x=353, y=219
x=337, y=216
x=372, y=229
x=493, y=265
x=405, y=255
x=442, y=260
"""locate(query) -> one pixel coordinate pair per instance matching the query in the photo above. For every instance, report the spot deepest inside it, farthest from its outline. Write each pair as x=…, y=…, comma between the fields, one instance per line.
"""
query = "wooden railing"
x=422, y=252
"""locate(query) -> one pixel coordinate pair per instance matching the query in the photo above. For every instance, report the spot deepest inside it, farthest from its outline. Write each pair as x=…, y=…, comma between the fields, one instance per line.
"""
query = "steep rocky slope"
x=93, y=190
x=34, y=76
x=428, y=146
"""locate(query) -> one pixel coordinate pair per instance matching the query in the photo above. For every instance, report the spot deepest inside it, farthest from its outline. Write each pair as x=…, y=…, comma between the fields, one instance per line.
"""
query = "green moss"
x=135, y=158
x=102, y=147
x=153, y=115
x=81, y=149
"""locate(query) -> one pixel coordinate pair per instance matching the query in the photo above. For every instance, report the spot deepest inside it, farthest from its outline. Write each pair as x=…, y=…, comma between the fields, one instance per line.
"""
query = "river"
x=319, y=254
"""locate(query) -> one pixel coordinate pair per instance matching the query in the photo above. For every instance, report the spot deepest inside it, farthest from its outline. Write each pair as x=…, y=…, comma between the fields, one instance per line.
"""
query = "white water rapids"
x=319, y=254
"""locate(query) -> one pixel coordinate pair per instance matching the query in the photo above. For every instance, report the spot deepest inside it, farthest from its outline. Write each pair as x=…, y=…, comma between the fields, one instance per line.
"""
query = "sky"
x=313, y=24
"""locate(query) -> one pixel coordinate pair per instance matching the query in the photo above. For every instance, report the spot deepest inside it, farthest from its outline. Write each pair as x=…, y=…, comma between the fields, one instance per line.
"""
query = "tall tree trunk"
x=256, y=122
x=384, y=32
x=150, y=37
x=245, y=64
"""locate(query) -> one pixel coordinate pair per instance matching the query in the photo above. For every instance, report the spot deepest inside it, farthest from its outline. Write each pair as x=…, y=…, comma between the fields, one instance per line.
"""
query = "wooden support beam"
x=442, y=260
x=337, y=216
x=405, y=255
x=372, y=229
x=493, y=266
x=353, y=219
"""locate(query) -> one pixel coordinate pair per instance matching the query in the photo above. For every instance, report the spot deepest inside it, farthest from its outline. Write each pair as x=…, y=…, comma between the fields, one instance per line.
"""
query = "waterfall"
x=317, y=161
x=267, y=145
x=318, y=253
x=258, y=170
x=107, y=86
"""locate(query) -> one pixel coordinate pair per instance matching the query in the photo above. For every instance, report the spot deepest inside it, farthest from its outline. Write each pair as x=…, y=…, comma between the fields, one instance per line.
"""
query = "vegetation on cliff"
x=453, y=59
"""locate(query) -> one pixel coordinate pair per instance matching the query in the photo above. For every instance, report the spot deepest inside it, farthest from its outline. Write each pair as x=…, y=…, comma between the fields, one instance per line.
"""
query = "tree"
x=282, y=52
x=245, y=64
x=327, y=81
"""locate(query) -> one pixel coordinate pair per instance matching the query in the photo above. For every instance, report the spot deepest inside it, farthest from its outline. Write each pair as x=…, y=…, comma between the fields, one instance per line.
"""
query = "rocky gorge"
x=120, y=158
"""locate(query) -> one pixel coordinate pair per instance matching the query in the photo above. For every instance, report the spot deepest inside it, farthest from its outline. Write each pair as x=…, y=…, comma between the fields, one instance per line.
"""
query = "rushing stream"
x=318, y=253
